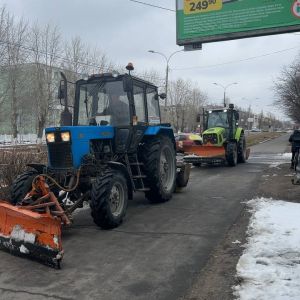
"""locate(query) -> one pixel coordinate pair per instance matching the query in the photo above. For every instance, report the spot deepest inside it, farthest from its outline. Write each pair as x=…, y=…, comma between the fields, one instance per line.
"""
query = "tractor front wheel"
x=231, y=154
x=158, y=156
x=109, y=197
x=21, y=186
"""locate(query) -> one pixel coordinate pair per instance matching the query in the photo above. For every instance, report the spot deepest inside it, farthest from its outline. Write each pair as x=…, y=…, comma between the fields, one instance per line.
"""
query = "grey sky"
x=126, y=30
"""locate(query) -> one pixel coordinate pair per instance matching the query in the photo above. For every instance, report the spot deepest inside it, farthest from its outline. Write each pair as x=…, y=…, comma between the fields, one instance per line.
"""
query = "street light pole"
x=167, y=59
x=225, y=88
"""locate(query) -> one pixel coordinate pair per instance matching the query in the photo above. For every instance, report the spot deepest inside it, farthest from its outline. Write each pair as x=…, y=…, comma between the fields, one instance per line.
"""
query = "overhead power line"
x=235, y=61
x=152, y=5
x=64, y=59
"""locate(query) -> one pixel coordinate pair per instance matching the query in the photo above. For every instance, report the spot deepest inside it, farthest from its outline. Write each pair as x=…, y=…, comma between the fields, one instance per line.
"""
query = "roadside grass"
x=254, y=138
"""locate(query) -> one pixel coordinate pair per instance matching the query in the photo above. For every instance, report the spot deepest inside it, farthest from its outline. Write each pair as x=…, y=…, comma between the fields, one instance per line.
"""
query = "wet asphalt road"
x=159, y=249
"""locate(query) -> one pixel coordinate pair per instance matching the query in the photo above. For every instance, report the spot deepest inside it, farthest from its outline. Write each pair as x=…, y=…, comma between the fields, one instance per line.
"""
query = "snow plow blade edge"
x=30, y=234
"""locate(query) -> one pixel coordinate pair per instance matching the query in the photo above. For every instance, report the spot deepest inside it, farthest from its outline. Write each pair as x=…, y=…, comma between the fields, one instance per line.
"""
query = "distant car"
x=187, y=139
x=254, y=129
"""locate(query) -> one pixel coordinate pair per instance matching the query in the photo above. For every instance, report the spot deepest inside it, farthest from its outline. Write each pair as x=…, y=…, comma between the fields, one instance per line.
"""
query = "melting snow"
x=20, y=234
x=23, y=249
x=270, y=265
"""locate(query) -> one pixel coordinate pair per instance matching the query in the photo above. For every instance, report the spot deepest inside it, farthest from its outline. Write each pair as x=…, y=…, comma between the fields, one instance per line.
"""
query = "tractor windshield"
x=217, y=119
x=103, y=103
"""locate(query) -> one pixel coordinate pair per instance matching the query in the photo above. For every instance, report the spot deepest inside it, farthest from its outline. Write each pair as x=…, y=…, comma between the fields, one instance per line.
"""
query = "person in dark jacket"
x=295, y=141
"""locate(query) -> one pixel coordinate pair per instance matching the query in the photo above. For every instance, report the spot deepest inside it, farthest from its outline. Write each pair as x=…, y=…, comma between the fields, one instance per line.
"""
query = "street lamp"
x=225, y=88
x=167, y=68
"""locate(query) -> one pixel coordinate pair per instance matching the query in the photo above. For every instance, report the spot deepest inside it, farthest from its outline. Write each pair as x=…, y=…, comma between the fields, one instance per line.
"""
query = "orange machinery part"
x=205, y=151
x=45, y=228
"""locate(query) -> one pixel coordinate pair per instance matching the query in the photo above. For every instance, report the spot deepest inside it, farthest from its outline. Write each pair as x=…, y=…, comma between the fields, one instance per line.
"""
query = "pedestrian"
x=295, y=141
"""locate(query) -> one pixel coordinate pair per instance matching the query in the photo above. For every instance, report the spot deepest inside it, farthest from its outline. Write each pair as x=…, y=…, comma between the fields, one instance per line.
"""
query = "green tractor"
x=223, y=139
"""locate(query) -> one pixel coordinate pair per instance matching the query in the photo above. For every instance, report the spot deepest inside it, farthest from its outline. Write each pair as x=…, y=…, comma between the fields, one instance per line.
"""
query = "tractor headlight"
x=50, y=137
x=65, y=136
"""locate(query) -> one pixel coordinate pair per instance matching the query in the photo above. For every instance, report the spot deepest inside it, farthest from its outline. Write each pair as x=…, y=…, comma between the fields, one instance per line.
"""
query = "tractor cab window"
x=217, y=119
x=152, y=106
x=103, y=103
x=139, y=103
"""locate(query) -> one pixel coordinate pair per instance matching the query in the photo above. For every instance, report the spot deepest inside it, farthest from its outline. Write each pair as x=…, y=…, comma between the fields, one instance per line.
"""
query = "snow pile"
x=287, y=155
x=270, y=265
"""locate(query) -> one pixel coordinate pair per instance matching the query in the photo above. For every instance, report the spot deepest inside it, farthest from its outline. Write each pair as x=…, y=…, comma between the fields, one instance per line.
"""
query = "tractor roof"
x=114, y=76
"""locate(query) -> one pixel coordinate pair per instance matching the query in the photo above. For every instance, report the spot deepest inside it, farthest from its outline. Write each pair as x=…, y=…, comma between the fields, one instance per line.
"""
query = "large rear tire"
x=21, y=186
x=158, y=156
x=109, y=197
x=242, y=150
x=231, y=154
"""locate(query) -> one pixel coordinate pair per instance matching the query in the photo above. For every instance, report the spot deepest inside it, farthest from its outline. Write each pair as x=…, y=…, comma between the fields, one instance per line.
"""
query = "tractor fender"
x=38, y=167
x=238, y=133
x=120, y=167
x=162, y=131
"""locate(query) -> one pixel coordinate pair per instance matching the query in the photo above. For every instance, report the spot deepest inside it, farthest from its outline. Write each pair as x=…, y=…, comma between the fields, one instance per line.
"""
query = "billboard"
x=201, y=21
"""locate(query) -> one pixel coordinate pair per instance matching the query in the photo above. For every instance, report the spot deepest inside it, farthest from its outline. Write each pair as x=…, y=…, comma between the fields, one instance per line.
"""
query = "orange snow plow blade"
x=197, y=154
x=205, y=151
x=30, y=234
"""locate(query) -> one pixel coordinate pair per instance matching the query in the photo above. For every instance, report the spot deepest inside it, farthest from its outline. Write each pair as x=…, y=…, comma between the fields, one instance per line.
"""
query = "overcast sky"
x=125, y=31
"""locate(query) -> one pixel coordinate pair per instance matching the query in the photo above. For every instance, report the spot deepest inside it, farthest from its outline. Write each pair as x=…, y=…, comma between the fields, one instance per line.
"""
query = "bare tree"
x=45, y=43
x=17, y=35
x=287, y=91
x=154, y=77
x=185, y=101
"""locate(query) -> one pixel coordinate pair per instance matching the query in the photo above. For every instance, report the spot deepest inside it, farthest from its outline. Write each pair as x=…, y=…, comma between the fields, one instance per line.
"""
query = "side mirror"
x=162, y=96
x=61, y=93
x=66, y=115
x=198, y=119
x=61, y=90
x=127, y=83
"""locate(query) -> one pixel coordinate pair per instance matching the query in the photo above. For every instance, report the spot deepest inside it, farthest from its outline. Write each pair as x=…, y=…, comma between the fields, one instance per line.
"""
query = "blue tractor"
x=112, y=145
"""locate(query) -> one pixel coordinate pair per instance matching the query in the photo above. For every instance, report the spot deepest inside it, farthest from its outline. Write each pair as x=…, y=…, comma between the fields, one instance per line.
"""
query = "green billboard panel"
x=217, y=20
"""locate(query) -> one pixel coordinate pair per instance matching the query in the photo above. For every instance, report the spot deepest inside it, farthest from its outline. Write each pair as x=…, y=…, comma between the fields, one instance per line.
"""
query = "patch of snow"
x=55, y=240
x=23, y=249
x=236, y=242
x=19, y=234
x=281, y=158
x=270, y=265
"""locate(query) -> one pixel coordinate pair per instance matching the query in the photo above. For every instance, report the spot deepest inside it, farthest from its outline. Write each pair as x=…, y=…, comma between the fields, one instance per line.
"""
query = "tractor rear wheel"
x=21, y=186
x=231, y=154
x=109, y=197
x=158, y=156
x=242, y=149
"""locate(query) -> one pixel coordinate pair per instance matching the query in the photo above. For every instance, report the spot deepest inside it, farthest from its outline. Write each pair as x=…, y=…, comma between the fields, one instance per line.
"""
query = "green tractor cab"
x=223, y=139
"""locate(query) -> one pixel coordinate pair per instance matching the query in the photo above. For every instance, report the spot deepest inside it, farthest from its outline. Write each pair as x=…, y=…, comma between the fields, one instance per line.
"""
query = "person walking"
x=295, y=141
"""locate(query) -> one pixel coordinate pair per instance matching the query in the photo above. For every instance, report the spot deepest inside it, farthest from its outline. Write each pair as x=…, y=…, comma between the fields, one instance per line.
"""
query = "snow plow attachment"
x=204, y=154
x=30, y=234
x=205, y=151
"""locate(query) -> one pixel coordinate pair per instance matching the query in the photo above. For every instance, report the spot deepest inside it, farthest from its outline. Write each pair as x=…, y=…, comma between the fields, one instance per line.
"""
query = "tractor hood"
x=214, y=136
x=68, y=144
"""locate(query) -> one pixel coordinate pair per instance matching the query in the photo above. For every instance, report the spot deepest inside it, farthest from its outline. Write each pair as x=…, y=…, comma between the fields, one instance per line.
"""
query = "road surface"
x=157, y=252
